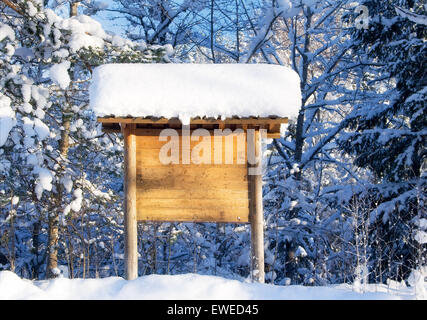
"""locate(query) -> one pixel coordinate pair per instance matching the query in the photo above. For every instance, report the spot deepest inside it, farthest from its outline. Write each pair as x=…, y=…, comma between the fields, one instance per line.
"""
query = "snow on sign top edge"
x=194, y=90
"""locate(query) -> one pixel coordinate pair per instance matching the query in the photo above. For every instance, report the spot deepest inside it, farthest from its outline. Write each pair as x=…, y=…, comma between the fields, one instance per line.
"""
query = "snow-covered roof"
x=194, y=90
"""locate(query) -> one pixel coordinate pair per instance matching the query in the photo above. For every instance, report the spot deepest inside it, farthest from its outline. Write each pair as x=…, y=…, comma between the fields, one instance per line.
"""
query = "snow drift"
x=182, y=287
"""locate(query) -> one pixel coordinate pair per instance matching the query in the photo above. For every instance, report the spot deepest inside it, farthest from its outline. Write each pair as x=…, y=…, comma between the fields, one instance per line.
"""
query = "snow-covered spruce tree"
x=388, y=134
x=52, y=153
x=308, y=180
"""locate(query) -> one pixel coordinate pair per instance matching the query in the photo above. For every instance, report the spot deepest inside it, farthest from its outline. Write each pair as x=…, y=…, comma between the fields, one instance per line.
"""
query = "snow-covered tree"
x=387, y=133
x=159, y=21
x=52, y=151
x=308, y=179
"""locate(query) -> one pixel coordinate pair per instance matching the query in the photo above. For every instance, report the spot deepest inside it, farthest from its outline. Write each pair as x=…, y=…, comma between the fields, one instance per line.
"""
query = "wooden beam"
x=256, y=212
x=131, y=236
x=275, y=135
x=241, y=121
x=115, y=128
x=155, y=132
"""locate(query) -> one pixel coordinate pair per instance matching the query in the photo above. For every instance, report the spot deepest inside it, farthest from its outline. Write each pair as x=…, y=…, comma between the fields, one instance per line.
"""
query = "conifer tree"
x=388, y=133
x=51, y=146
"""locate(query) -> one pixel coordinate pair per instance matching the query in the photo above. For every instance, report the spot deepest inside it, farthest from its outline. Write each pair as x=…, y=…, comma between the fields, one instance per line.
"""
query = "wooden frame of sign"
x=213, y=188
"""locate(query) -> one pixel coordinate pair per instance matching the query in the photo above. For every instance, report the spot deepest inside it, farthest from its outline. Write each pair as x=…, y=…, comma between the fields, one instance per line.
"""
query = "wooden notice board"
x=222, y=188
x=192, y=192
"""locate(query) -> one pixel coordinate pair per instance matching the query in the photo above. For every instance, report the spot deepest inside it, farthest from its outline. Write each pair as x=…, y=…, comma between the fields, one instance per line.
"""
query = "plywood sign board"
x=205, y=178
x=215, y=187
x=212, y=191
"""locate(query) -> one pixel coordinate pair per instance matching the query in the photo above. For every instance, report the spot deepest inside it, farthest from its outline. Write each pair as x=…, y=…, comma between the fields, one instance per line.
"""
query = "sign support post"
x=131, y=238
x=256, y=214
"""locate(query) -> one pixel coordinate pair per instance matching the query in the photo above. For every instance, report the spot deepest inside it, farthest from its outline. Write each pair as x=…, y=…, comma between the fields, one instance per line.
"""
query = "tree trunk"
x=12, y=255
x=53, y=219
x=74, y=8
x=52, y=258
x=36, y=264
x=299, y=139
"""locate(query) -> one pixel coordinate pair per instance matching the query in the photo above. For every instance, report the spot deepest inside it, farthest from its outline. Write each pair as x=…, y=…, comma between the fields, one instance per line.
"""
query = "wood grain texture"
x=256, y=215
x=197, y=193
x=223, y=214
x=192, y=192
x=131, y=236
x=230, y=149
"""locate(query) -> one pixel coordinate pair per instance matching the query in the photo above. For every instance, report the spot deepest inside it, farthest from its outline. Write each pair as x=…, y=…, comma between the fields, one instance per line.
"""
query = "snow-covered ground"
x=185, y=287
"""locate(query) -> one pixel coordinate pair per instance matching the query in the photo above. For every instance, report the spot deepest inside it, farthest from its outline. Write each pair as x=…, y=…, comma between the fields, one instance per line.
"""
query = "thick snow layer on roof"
x=194, y=90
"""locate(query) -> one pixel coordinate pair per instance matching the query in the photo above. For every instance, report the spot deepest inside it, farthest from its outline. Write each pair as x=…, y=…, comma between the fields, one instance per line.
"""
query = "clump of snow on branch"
x=6, y=31
x=76, y=204
x=44, y=181
x=7, y=118
x=59, y=74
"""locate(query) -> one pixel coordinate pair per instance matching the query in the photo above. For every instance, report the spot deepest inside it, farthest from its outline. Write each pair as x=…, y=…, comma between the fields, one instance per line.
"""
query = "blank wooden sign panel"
x=192, y=192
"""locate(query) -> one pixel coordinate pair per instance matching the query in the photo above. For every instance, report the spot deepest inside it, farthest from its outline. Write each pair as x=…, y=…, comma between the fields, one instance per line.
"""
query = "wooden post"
x=131, y=236
x=256, y=212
